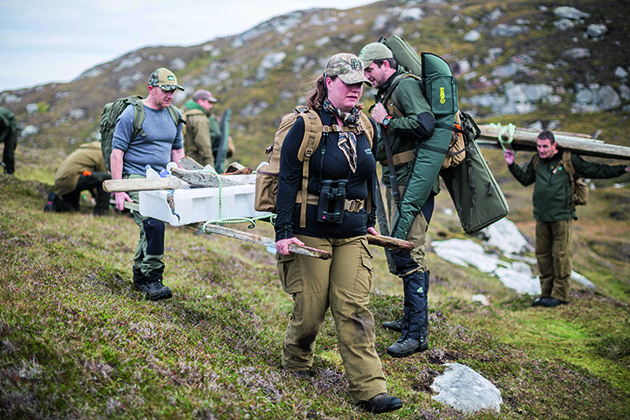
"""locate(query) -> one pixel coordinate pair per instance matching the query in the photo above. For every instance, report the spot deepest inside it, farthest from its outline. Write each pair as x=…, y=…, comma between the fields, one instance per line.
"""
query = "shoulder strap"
x=568, y=165
x=313, y=129
x=138, y=117
x=535, y=161
x=175, y=115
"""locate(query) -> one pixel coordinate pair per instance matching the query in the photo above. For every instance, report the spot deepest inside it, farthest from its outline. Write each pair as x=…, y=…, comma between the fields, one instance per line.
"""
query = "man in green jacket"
x=8, y=136
x=406, y=120
x=83, y=170
x=202, y=132
x=197, y=137
x=554, y=212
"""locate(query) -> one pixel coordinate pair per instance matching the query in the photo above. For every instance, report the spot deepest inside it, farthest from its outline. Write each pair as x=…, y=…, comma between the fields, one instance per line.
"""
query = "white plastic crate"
x=198, y=205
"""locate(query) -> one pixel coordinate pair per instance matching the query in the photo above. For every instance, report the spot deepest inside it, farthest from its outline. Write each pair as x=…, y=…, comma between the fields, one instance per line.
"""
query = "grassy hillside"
x=77, y=342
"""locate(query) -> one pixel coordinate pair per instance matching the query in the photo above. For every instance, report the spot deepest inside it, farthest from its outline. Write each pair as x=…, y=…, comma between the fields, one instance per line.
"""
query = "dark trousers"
x=93, y=182
x=9, y=138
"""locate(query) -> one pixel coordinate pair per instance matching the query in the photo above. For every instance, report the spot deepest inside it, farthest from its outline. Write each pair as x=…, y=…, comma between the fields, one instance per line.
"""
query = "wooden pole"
x=260, y=240
x=525, y=139
x=143, y=184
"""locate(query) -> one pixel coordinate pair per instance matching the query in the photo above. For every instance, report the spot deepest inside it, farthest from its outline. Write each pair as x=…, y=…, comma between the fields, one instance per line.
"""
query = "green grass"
x=77, y=342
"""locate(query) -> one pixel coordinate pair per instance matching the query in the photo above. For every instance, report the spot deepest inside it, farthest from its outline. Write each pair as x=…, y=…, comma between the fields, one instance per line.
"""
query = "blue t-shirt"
x=162, y=137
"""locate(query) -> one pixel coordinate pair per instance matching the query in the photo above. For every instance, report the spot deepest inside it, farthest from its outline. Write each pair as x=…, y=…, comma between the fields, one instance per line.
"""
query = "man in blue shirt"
x=159, y=143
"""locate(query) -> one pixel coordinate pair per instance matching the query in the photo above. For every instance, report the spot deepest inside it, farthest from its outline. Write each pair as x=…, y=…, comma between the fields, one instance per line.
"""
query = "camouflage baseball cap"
x=165, y=79
x=374, y=51
x=348, y=67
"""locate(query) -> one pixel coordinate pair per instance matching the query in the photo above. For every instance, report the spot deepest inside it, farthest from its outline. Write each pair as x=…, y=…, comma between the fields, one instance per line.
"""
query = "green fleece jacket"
x=553, y=198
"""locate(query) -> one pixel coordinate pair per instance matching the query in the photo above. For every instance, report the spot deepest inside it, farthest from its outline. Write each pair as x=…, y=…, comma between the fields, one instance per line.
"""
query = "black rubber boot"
x=140, y=281
x=157, y=290
x=413, y=338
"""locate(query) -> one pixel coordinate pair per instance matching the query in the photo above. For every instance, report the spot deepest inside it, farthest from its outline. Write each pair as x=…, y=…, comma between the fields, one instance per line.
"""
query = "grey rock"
x=380, y=23
x=77, y=114
x=607, y=98
x=322, y=41
x=32, y=109
x=596, y=31
x=621, y=73
x=508, y=31
x=128, y=62
x=129, y=81
x=506, y=71
x=268, y=62
x=466, y=390
x=505, y=236
x=576, y=53
x=492, y=16
x=564, y=24
x=357, y=38
x=176, y=64
x=570, y=13
x=472, y=36
x=412, y=14
x=625, y=92
x=29, y=130
x=9, y=98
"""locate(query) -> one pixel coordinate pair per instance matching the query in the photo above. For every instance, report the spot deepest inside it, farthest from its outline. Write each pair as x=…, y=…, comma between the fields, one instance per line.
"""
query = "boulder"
x=466, y=390
x=568, y=12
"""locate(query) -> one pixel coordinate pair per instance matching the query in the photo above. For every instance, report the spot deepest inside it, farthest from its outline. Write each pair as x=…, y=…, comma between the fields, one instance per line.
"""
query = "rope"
x=508, y=129
x=232, y=220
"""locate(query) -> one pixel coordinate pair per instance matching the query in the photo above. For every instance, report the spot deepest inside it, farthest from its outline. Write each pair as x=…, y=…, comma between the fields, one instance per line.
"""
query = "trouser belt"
x=353, y=206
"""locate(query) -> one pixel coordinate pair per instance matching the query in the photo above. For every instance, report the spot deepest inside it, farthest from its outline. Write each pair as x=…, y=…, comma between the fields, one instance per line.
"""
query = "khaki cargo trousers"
x=554, y=252
x=342, y=284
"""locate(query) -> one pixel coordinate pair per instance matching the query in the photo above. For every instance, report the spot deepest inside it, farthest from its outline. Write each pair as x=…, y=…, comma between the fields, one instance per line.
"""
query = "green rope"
x=234, y=220
x=508, y=129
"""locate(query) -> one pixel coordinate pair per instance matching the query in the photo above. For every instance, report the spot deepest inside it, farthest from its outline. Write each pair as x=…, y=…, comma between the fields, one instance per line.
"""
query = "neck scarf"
x=347, y=140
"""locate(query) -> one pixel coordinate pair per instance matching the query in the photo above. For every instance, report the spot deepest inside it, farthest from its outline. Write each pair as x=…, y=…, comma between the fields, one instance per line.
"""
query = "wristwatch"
x=386, y=121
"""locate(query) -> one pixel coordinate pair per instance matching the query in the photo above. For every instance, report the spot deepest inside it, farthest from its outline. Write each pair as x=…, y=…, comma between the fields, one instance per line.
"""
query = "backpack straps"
x=568, y=166
x=138, y=117
x=313, y=130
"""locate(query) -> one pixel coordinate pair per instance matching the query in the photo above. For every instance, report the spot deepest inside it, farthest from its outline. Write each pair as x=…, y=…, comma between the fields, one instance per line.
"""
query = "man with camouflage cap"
x=159, y=143
x=202, y=132
x=406, y=120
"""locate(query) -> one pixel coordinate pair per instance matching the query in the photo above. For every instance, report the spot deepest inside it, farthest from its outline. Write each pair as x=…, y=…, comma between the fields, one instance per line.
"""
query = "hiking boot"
x=540, y=301
x=393, y=325
x=140, y=281
x=553, y=302
x=382, y=403
x=407, y=347
x=49, y=207
x=157, y=291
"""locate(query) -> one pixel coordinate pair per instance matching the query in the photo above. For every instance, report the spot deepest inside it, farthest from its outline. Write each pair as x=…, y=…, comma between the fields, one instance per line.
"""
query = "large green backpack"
x=110, y=115
x=476, y=195
x=440, y=91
